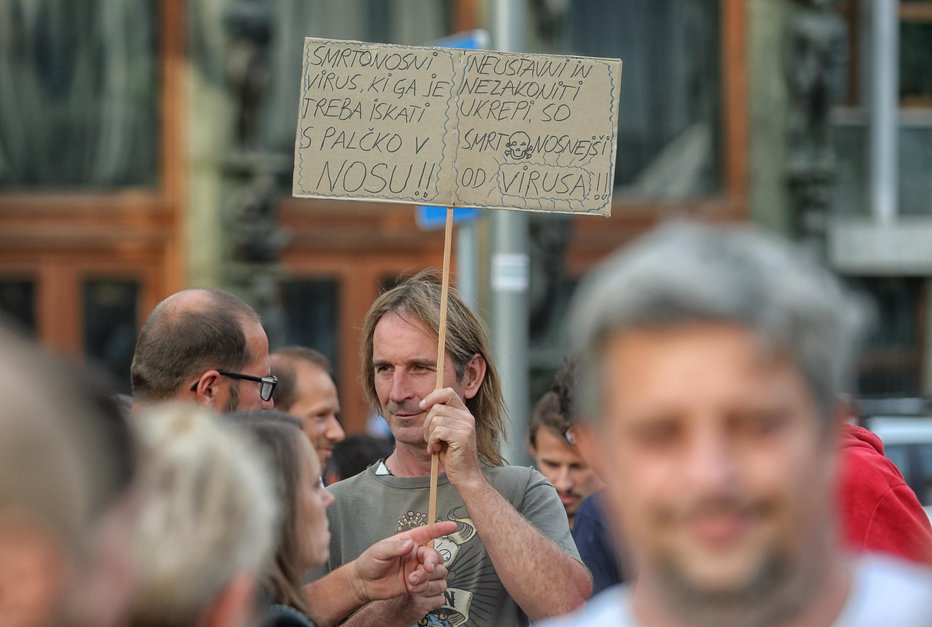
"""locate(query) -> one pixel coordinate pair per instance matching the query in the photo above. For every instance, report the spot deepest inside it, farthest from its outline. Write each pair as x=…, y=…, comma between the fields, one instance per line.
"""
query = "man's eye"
x=657, y=434
x=761, y=423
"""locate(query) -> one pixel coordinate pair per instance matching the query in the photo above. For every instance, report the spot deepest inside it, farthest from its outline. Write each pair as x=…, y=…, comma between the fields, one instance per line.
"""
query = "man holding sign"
x=512, y=554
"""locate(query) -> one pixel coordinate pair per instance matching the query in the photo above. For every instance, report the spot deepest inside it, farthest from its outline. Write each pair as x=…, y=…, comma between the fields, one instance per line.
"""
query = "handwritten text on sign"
x=449, y=127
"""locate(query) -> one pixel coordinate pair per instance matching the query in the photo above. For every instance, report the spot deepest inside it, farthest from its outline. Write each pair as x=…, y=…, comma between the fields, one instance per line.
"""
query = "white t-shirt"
x=885, y=593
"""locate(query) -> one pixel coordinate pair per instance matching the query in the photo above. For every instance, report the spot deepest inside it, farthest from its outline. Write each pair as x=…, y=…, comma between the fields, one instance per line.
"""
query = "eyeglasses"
x=266, y=384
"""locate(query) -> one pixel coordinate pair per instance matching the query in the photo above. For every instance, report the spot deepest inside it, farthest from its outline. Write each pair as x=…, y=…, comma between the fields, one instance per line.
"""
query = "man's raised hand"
x=400, y=565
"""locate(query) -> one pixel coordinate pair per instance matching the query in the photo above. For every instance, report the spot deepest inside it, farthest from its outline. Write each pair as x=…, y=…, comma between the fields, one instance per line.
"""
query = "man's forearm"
x=397, y=612
x=543, y=579
x=333, y=597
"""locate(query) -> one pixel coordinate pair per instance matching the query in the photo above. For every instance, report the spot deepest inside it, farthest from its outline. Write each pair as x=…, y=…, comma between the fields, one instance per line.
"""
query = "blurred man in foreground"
x=713, y=361
x=68, y=495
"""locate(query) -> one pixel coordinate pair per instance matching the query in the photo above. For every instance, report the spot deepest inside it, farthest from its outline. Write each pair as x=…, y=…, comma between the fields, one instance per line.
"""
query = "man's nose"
x=401, y=390
x=564, y=480
x=711, y=462
x=334, y=431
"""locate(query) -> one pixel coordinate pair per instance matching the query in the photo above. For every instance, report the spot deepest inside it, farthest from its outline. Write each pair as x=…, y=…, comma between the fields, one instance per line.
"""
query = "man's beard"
x=232, y=402
x=774, y=592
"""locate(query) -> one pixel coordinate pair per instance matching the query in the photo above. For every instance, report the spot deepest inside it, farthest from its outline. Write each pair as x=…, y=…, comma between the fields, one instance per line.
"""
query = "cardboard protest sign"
x=450, y=127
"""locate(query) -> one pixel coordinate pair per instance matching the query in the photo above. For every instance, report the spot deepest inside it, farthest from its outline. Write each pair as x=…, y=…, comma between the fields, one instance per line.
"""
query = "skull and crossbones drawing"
x=519, y=146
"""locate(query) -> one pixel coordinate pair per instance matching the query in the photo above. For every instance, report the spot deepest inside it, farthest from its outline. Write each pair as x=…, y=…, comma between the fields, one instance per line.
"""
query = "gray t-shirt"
x=373, y=506
x=884, y=592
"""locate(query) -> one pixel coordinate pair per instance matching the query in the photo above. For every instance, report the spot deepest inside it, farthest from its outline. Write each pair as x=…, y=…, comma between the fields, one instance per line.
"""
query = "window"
x=80, y=94
x=92, y=159
x=891, y=361
x=915, y=120
x=410, y=22
x=915, y=53
x=18, y=302
x=110, y=314
x=670, y=126
x=311, y=316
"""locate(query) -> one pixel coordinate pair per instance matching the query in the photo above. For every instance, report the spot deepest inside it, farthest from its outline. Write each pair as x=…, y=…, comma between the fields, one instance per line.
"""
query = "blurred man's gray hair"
x=209, y=514
x=684, y=273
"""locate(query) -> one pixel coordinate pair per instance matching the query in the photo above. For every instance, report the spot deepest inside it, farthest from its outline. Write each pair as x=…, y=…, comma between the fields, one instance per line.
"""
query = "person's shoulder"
x=610, y=607
x=514, y=480
x=507, y=472
x=514, y=474
x=350, y=484
x=888, y=591
x=590, y=508
x=905, y=577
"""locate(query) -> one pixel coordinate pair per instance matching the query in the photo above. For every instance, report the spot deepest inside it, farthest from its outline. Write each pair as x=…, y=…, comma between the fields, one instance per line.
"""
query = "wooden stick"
x=441, y=354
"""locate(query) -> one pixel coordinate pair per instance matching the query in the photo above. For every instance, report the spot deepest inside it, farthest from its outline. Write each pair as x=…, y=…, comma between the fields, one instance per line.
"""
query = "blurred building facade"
x=147, y=146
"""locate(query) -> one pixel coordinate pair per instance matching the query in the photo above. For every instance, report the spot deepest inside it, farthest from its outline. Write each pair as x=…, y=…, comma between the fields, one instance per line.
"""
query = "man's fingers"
x=432, y=588
x=420, y=535
x=392, y=547
x=443, y=396
x=429, y=558
x=419, y=577
x=416, y=578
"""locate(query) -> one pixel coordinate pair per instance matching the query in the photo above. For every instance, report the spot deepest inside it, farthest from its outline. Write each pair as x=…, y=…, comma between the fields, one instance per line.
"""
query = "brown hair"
x=555, y=409
x=283, y=366
x=419, y=298
x=278, y=435
x=186, y=334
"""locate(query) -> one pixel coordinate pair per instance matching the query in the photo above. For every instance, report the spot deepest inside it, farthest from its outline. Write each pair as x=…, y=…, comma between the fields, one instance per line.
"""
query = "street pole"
x=467, y=263
x=884, y=109
x=510, y=270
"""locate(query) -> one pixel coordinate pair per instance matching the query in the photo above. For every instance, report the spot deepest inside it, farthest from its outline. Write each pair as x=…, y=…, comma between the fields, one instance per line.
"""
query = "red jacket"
x=877, y=510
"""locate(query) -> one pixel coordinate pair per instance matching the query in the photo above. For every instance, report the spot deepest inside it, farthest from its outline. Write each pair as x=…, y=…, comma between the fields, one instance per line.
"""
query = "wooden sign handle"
x=441, y=354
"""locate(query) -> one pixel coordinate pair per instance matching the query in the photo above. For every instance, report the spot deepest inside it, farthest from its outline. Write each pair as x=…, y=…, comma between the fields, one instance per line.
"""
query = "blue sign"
x=436, y=217
x=473, y=40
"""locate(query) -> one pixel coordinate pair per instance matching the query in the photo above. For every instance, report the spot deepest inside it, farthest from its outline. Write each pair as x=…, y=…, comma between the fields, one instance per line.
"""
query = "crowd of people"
x=694, y=465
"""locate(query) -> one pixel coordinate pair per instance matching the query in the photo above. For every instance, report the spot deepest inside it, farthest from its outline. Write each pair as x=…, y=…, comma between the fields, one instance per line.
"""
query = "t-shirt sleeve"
x=542, y=508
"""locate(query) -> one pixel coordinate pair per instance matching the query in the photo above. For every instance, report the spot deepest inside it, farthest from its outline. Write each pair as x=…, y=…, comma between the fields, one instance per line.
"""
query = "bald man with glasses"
x=205, y=346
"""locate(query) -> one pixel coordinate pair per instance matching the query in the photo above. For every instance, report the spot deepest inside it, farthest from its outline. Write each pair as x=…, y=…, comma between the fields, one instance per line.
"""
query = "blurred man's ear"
x=236, y=606
x=31, y=572
x=586, y=439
